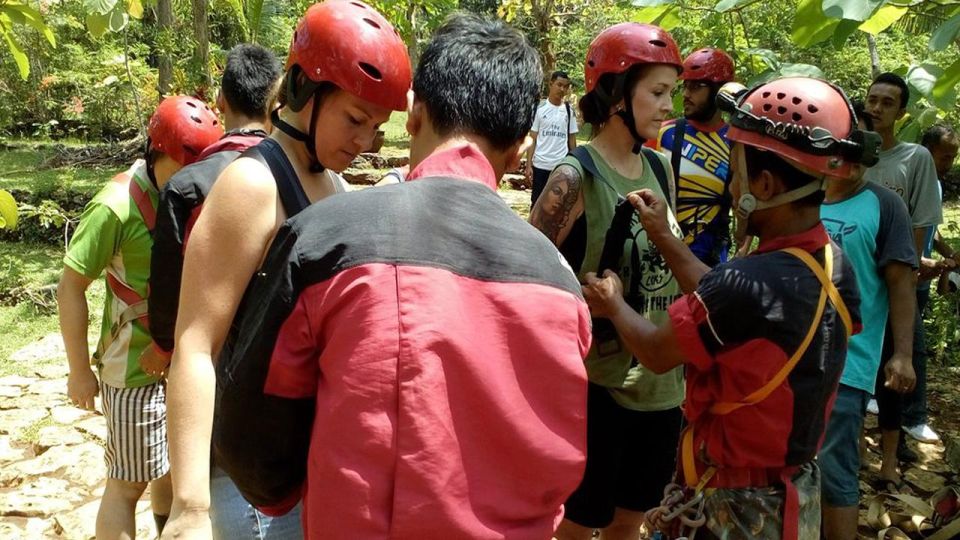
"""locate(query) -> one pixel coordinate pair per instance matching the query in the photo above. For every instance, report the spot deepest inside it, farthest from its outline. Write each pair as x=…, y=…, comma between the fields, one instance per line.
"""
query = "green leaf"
x=101, y=7
x=945, y=34
x=23, y=64
x=8, y=210
x=810, y=25
x=97, y=24
x=800, y=70
x=135, y=9
x=944, y=91
x=118, y=20
x=727, y=5
x=665, y=16
x=650, y=3
x=883, y=19
x=923, y=78
x=32, y=18
x=843, y=31
x=766, y=56
x=857, y=10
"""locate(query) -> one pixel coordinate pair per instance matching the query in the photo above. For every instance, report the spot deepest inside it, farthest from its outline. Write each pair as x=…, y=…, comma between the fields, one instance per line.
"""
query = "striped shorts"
x=136, y=432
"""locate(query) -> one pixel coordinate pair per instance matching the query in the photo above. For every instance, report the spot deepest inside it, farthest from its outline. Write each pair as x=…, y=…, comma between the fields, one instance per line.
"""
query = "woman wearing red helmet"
x=631, y=70
x=347, y=70
x=115, y=236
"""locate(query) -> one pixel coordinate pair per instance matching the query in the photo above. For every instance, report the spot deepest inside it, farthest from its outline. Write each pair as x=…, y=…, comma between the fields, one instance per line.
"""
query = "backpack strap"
x=676, y=151
x=292, y=196
x=569, y=116
x=653, y=158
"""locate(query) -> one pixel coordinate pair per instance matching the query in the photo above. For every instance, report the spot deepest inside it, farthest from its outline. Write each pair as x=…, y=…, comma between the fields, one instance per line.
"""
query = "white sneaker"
x=923, y=433
x=872, y=407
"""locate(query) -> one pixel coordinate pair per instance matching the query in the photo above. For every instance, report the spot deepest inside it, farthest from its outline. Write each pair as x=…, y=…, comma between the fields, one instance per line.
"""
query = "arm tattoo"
x=552, y=211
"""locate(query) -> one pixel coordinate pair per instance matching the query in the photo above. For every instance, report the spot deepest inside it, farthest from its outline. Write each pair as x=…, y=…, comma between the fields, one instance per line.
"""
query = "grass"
x=19, y=169
x=33, y=266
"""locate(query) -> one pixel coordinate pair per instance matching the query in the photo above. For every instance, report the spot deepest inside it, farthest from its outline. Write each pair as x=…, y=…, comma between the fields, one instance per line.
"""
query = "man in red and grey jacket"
x=433, y=340
x=245, y=98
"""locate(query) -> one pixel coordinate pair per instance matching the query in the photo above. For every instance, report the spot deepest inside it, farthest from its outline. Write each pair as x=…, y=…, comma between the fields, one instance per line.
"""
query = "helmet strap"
x=149, y=158
x=748, y=203
x=307, y=139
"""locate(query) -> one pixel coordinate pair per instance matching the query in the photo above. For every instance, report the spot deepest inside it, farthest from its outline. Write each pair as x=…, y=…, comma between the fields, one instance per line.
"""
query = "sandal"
x=887, y=485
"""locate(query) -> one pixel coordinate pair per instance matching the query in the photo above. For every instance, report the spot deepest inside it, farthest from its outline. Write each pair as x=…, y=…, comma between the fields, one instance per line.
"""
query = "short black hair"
x=894, y=80
x=249, y=78
x=792, y=177
x=860, y=111
x=559, y=75
x=934, y=135
x=478, y=75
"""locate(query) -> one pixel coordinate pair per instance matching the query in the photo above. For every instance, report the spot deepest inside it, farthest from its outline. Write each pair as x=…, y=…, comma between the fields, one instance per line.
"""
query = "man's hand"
x=604, y=296
x=528, y=171
x=899, y=374
x=929, y=269
x=82, y=387
x=187, y=524
x=153, y=361
x=653, y=212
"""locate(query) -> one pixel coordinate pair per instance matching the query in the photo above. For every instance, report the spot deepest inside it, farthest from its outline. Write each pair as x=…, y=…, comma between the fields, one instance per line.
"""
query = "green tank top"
x=649, y=286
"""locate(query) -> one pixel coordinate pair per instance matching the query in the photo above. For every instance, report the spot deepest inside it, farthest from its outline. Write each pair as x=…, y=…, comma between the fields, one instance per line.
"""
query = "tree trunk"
x=164, y=62
x=874, y=56
x=413, y=48
x=542, y=12
x=201, y=35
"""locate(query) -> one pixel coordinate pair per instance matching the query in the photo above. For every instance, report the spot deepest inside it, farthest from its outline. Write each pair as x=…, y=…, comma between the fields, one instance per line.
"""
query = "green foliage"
x=8, y=210
x=16, y=14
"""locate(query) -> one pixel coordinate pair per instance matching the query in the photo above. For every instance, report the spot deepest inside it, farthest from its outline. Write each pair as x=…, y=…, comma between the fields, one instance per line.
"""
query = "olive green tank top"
x=649, y=285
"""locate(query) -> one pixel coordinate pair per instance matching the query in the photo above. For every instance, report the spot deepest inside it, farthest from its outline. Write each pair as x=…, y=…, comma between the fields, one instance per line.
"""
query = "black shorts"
x=631, y=457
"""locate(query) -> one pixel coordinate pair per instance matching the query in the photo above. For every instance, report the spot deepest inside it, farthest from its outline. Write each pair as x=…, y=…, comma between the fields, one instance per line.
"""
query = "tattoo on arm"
x=553, y=210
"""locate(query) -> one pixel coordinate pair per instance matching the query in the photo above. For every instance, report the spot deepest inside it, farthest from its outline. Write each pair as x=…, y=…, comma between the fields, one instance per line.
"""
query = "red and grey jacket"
x=180, y=203
x=416, y=353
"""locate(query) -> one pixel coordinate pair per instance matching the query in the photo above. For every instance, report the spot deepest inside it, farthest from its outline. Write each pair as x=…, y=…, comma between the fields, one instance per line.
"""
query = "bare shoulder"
x=560, y=204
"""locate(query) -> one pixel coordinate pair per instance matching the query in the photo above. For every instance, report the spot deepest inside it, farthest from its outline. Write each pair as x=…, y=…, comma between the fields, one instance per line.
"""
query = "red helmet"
x=623, y=45
x=351, y=45
x=708, y=64
x=181, y=127
x=808, y=121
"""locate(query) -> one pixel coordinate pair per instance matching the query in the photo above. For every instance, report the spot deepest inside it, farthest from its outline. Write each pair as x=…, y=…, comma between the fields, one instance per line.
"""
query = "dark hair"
x=894, y=80
x=934, y=135
x=559, y=75
x=860, y=111
x=249, y=78
x=478, y=75
x=596, y=110
x=792, y=177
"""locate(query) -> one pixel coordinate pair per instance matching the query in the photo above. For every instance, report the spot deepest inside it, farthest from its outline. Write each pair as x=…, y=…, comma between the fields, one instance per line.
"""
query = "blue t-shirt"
x=873, y=229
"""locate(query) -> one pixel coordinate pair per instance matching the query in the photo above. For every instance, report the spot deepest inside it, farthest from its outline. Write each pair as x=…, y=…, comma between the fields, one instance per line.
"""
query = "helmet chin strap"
x=626, y=114
x=748, y=203
x=297, y=98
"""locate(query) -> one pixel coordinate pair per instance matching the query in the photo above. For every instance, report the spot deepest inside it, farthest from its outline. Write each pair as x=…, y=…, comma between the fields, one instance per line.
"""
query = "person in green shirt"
x=114, y=237
x=631, y=72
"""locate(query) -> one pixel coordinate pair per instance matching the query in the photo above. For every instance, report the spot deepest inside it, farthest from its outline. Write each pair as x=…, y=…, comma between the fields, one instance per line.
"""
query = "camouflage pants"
x=735, y=514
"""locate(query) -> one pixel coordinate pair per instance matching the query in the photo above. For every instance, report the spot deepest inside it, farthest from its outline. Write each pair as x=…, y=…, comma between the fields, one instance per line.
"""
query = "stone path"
x=51, y=454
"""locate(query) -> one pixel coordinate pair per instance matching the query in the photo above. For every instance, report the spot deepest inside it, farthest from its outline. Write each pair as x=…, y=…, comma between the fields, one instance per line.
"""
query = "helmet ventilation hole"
x=765, y=95
x=797, y=117
x=796, y=100
x=812, y=108
x=657, y=43
x=196, y=119
x=371, y=22
x=358, y=4
x=781, y=95
x=591, y=63
x=371, y=71
x=767, y=107
x=191, y=104
x=781, y=110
